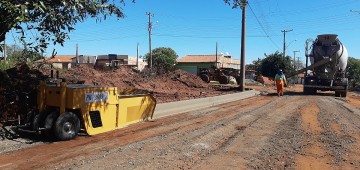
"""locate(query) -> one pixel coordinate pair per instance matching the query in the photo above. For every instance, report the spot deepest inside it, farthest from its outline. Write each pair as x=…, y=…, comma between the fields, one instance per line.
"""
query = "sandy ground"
x=262, y=132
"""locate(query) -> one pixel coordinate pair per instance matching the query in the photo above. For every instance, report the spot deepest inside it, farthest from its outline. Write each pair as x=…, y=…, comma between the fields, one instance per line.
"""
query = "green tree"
x=273, y=62
x=353, y=68
x=53, y=20
x=16, y=54
x=163, y=58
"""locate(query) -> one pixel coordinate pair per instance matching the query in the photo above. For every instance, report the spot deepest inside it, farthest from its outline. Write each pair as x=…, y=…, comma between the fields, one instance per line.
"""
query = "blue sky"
x=194, y=27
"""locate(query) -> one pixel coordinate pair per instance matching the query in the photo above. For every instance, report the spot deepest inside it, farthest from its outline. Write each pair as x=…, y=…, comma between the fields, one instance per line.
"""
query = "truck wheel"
x=306, y=90
x=343, y=94
x=67, y=126
x=205, y=78
x=337, y=94
x=224, y=80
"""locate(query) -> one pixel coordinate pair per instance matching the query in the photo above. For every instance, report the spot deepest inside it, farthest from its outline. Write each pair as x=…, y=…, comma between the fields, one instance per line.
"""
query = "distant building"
x=111, y=60
x=141, y=63
x=60, y=61
x=193, y=63
x=84, y=59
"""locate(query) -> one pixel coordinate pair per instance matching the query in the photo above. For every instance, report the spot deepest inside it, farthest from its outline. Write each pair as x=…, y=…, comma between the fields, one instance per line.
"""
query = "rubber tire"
x=39, y=120
x=343, y=94
x=50, y=120
x=205, y=78
x=67, y=126
x=337, y=94
x=49, y=124
x=224, y=79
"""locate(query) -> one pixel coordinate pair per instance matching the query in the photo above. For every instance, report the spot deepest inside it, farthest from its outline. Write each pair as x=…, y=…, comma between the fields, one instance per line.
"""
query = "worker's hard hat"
x=280, y=70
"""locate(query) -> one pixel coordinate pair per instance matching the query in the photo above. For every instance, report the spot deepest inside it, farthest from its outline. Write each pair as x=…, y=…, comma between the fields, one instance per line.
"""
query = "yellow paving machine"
x=65, y=109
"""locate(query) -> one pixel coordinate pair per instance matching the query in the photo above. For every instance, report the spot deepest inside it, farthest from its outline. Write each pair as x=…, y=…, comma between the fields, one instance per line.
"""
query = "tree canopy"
x=163, y=58
x=53, y=20
x=354, y=71
x=273, y=62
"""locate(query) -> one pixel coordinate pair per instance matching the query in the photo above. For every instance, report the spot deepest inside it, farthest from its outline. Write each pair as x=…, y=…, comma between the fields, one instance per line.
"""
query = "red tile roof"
x=59, y=59
x=199, y=59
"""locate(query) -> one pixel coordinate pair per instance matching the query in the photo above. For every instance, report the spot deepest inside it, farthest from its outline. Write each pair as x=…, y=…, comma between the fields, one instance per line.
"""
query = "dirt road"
x=262, y=132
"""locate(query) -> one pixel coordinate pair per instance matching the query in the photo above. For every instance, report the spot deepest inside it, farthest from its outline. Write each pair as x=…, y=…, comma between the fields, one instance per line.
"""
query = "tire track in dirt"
x=341, y=132
x=241, y=151
x=314, y=155
x=332, y=135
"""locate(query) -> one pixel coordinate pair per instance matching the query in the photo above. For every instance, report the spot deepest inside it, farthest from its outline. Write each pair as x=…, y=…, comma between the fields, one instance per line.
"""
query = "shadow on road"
x=296, y=93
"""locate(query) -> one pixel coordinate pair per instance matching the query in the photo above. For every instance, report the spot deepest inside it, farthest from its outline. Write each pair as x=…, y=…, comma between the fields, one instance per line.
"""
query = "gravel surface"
x=261, y=132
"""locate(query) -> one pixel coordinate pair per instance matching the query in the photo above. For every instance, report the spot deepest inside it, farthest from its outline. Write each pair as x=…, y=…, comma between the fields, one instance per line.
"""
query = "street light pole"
x=285, y=31
x=243, y=4
x=294, y=59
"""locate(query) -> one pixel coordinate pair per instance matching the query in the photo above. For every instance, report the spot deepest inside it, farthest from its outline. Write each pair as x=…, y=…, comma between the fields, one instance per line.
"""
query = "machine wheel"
x=306, y=90
x=337, y=94
x=67, y=126
x=49, y=123
x=38, y=120
x=224, y=79
x=343, y=94
x=205, y=78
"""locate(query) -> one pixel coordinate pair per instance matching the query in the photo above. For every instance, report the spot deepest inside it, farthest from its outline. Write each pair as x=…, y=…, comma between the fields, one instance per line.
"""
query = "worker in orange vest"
x=280, y=82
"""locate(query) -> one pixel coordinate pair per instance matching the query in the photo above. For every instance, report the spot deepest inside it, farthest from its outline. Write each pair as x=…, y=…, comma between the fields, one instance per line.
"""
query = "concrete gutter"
x=166, y=109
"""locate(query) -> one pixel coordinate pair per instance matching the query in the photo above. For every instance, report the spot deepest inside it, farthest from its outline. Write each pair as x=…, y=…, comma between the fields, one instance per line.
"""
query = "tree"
x=273, y=62
x=353, y=71
x=162, y=58
x=234, y=3
x=53, y=20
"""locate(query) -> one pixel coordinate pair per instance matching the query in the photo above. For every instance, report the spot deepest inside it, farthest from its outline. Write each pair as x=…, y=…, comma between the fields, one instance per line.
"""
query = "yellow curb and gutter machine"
x=66, y=109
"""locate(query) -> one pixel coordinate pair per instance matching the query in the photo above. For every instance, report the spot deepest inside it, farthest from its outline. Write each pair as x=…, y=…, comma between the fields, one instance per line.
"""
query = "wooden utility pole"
x=243, y=32
x=150, y=29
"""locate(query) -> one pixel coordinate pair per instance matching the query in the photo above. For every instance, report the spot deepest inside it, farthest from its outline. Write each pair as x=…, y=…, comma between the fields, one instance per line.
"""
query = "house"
x=84, y=59
x=141, y=63
x=193, y=63
x=60, y=61
x=111, y=60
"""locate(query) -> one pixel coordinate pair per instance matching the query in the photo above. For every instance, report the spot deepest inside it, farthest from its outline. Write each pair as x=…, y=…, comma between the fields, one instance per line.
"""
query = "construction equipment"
x=223, y=75
x=65, y=109
x=328, y=59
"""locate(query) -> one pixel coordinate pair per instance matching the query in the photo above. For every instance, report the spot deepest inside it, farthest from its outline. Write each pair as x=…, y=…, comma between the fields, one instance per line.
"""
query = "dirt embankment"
x=18, y=85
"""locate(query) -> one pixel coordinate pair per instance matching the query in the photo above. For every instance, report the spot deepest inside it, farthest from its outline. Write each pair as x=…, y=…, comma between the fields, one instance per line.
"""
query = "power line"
x=257, y=19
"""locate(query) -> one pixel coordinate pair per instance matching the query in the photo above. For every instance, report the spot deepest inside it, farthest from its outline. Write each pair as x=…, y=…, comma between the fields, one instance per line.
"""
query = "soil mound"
x=19, y=85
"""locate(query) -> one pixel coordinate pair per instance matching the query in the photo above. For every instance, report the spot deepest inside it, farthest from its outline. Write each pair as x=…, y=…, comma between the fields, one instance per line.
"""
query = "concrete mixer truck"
x=328, y=57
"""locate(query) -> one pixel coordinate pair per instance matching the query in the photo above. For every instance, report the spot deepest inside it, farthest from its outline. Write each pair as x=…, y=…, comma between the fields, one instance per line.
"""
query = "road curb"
x=166, y=109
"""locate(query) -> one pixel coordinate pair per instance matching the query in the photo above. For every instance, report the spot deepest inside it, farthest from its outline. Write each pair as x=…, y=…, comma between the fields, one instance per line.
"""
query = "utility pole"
x=77, y=55
x=294, y=59
x=216, y=55
x=5, y=48
x=150, y=29
x=243, y=4
x=137, y=56
x=284, y=50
